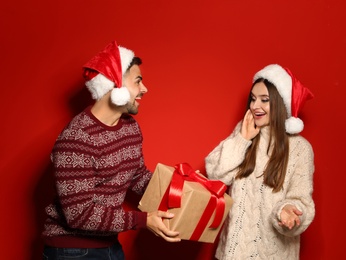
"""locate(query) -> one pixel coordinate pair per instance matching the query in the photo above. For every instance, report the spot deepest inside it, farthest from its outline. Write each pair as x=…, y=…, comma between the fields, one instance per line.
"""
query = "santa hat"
x=293, y=93
x=104, y=72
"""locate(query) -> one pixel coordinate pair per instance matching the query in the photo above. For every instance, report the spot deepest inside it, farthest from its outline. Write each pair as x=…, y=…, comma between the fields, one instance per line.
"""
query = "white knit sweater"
x=251, y=230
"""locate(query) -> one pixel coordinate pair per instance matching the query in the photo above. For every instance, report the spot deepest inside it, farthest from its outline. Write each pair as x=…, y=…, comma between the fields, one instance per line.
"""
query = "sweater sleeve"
x=141, y=178
x=88, y=200
x=299, y=189
x=222, y=162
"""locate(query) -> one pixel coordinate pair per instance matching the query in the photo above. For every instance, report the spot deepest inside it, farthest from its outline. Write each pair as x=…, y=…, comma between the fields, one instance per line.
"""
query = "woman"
x=269, y=167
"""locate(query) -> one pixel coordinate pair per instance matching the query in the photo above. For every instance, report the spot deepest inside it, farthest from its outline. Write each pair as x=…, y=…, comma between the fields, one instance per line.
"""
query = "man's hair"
x=135, y=61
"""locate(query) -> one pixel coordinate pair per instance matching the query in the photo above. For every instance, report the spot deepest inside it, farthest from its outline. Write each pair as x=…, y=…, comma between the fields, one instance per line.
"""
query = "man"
x=97, y=158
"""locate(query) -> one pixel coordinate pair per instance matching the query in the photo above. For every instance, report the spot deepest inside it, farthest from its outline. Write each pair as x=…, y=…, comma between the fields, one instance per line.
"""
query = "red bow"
x=172, y=198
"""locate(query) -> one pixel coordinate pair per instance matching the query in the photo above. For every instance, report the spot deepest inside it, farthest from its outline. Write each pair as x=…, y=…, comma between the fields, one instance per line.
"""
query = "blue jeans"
x=114, y=252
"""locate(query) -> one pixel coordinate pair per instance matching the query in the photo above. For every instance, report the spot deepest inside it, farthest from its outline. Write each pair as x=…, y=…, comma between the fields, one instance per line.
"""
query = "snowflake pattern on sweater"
x=94, y=166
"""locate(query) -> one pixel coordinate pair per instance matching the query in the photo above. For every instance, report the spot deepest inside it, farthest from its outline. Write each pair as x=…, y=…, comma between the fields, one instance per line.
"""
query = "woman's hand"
x=248, y=129
x=289, y=216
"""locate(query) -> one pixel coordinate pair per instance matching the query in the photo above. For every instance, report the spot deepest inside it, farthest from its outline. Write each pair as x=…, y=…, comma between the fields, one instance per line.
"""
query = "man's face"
x=133, y=81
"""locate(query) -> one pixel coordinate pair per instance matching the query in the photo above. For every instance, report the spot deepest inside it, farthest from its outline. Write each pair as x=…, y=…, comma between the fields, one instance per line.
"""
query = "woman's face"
x=259, y=105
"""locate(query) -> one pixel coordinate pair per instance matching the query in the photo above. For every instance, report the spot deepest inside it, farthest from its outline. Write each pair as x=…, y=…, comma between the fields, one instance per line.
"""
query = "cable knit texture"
x=251, y=230
x=94, y=166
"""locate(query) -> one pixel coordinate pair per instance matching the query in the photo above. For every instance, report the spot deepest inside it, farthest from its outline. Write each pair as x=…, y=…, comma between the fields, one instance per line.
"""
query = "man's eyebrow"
x=139, y=77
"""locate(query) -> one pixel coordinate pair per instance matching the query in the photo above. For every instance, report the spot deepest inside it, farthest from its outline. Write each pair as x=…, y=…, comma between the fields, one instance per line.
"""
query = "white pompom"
x=99, y=86
x=294, y=125
x=120, y=96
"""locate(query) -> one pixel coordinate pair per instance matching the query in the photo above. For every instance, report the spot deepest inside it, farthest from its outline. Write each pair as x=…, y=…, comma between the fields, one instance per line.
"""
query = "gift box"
x=200, y=206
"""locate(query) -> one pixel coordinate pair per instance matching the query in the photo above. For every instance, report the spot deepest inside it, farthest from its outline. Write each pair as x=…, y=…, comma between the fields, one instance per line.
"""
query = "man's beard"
x=131, y=108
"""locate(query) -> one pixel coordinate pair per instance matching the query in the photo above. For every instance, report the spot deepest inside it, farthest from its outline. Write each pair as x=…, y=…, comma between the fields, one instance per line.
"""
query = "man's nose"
x=144, y=88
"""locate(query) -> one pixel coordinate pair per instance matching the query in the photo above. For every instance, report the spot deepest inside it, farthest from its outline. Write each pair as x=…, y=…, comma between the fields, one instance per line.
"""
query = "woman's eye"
x=265, y=100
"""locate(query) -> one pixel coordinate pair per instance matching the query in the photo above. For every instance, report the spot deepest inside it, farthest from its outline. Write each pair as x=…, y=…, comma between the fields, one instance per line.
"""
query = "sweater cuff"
x=141, y=219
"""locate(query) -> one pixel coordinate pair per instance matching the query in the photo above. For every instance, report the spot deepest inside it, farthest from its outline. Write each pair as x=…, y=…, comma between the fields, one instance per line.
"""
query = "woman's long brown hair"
x=275, y=170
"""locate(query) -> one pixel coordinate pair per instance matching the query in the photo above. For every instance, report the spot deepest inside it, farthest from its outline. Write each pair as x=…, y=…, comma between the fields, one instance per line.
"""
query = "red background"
x=199, y=59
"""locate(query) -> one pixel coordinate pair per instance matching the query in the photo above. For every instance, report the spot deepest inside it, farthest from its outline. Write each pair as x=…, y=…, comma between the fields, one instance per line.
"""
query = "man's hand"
x=289, y=216
x=155, y=224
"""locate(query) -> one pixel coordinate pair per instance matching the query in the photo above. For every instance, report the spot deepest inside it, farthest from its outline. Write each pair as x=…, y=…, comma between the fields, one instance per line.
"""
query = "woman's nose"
x=256, y=103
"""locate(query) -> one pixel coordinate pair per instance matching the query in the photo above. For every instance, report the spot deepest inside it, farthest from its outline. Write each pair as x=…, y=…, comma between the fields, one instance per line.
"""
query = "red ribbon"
x=172, y=197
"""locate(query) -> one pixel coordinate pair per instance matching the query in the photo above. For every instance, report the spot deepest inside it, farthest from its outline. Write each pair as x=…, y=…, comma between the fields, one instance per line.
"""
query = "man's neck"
x=107, y=113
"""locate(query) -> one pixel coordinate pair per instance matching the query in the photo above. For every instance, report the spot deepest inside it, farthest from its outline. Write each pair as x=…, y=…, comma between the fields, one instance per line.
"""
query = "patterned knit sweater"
x=94, y=166
x=251, y=230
